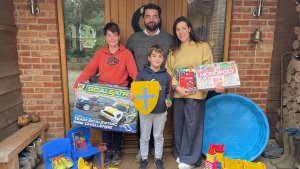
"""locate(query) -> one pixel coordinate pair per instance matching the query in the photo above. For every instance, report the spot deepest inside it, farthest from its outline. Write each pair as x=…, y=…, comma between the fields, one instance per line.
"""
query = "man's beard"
x=152, y=27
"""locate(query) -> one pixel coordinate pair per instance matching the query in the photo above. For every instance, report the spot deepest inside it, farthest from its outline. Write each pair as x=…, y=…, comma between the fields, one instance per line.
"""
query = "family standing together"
x=152, y=54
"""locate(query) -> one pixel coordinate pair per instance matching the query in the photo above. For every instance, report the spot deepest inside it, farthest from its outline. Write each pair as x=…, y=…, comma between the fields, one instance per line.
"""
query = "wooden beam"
x=63, y=60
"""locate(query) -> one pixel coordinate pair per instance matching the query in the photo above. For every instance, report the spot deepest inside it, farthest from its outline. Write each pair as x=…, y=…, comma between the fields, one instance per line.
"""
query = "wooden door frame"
x=63, y=61
x=63, y=55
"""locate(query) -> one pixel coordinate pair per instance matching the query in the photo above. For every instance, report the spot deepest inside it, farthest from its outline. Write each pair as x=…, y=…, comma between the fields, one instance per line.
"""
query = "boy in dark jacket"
x=158, y=116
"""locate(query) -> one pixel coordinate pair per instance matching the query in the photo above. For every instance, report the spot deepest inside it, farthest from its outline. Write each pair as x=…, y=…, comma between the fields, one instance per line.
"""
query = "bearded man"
x=140, y=42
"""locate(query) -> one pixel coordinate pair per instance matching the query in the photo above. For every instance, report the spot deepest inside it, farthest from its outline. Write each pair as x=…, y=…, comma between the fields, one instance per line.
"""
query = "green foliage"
x=99, y=43
x=78, y=13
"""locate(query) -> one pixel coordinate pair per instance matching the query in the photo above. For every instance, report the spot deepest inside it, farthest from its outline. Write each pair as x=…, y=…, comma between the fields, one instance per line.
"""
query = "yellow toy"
x=85, y=165
x=61, y=162
x=146, y=95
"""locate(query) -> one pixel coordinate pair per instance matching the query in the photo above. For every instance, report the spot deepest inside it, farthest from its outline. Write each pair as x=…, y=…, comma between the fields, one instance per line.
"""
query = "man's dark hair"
x=152, y=6
x=111, y=26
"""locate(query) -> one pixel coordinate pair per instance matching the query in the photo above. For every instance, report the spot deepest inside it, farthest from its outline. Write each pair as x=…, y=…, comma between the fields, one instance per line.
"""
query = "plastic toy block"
x=211, y=158
x=220, y=148
x=232, y=164
x=210, y=165
x=251, y=165
x=219, y=157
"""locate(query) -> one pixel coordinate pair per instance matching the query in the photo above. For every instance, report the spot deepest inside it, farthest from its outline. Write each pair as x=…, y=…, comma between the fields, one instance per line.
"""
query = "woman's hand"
x=131, y=96
x=220, y=89
x=182, y=91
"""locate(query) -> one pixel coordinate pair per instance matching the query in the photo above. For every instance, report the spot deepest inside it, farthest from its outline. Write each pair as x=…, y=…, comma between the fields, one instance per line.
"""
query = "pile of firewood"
x=290, y=114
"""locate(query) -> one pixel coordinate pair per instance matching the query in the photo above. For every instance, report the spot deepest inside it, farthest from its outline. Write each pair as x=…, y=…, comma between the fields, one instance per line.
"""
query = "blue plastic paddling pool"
x=237, y=122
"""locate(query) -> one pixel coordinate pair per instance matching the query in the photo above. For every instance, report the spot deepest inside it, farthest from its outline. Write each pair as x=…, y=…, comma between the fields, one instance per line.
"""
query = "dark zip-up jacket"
x=147, y=74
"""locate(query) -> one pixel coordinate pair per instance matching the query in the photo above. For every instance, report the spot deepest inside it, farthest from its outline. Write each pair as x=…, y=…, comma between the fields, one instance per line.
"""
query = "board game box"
x=186, y=78
x=105, y=107
x=211, y=75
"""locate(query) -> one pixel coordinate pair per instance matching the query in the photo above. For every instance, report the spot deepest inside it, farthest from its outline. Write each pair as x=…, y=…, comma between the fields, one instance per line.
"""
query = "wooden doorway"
x=121, y=12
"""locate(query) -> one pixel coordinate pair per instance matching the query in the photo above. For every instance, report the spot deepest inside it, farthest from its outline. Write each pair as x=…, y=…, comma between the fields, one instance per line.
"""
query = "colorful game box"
x=105, y=107
x=223, y=73
x=79, y=140
x=186, y=78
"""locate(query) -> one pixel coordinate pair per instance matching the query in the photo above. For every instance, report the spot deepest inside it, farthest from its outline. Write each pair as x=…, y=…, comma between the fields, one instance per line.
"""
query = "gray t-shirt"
x=139, y=44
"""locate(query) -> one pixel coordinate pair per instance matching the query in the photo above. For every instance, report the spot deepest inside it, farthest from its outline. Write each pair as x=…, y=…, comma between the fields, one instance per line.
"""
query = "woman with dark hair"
x=188, y=107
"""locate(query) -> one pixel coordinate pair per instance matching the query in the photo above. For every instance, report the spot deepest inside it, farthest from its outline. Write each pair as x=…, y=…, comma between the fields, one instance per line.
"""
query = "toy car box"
x=105, y=107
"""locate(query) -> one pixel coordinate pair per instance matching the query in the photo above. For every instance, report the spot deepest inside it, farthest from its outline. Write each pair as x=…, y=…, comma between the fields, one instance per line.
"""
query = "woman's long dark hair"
x=176, y=41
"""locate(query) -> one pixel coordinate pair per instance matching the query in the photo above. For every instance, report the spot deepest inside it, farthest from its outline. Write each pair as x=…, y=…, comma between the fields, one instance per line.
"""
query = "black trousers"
x=188, y=118
x=113, y=140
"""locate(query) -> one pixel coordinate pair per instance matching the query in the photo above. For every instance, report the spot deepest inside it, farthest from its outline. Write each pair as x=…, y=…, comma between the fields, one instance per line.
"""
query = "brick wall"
x=254, y=68
x=39, y=57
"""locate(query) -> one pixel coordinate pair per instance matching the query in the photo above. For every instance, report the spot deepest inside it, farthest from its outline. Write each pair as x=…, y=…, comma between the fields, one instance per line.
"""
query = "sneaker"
x=177, y=160
x=107, y=158
x=159, y=164
x=185, y=166
x=144, y=164
x=138, y=157
x=116, y=158
x=38, y=147
x=32, y=149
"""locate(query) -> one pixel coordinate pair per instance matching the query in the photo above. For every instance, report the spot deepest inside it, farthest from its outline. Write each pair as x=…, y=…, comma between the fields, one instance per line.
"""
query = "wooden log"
x=297, y=66
x=289, y=97
x=295, y=44
x=291, y=67
x=298, y=8
x=298, y=37
x=297, y=77
x=293, y=91
x=296, y=107
x=298, y=85
x=293, y=84
x=289, y=77
x=296, y=30
x=298, y=99
x=284, y=101
x=285, y=111
x=289, y=105
x=285, y=93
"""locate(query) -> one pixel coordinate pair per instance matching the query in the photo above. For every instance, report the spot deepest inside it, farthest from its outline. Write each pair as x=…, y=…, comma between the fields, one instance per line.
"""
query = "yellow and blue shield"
x=146, y=95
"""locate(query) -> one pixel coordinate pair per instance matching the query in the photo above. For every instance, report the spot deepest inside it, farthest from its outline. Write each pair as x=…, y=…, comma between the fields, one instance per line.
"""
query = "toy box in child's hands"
x=217, y=74
x=186, y=78
x=105, y=107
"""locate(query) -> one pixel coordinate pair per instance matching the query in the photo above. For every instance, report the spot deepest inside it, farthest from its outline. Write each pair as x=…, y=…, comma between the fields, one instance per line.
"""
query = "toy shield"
x=146, y=95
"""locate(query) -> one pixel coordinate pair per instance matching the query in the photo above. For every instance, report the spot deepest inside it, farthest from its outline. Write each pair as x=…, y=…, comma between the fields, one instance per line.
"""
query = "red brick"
x=31, y=60
x=42, y=78
x=41, y=66
x=48, y=34
x=43, y=90
x=52, y=84
x=261, y=78
x=38, y=27
x=47, y=21
x=49, y=47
